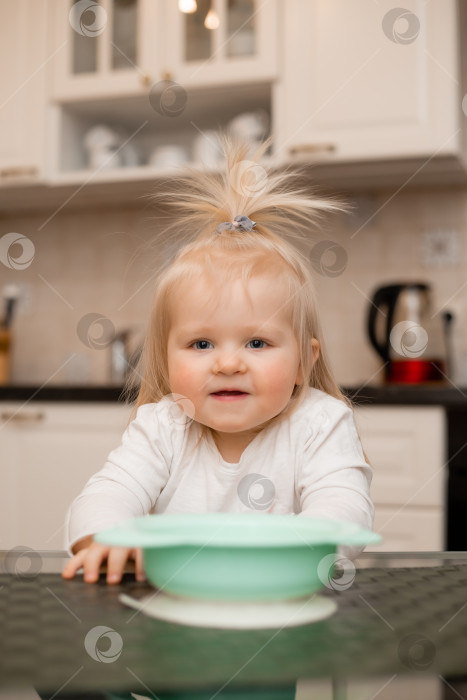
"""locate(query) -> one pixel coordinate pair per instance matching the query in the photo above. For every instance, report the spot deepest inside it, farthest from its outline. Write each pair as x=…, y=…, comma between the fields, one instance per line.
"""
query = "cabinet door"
x=48, y=453
x=23, y=26
x=106, y=49
x=222, y=41
x=366, y=80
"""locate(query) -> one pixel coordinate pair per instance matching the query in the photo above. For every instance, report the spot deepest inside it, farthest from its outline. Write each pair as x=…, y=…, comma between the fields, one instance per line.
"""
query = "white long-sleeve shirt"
x=311, y=463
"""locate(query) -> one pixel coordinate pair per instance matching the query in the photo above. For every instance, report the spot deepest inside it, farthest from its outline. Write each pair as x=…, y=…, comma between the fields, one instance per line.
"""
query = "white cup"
x=169, y=156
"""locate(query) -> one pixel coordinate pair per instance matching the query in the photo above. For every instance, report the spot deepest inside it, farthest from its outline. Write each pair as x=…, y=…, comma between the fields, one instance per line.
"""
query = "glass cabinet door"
x=107, y=46
x=118, y=33
x=124, y=34
x=237, y=32
x=222, y=40
x=241, y=28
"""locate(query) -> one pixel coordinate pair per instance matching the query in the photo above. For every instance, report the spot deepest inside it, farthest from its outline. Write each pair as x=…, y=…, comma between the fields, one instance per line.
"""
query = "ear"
x=315, y=353
x=315, y=349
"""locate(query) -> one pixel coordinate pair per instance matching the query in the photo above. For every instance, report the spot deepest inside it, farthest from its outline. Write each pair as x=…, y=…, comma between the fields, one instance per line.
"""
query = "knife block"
x=5, y=354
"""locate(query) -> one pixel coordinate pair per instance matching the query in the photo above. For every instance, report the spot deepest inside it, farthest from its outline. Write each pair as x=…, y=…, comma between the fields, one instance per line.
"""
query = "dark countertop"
x=71, y=393
x=409, y=619
x=423, y=395
x=446, y=395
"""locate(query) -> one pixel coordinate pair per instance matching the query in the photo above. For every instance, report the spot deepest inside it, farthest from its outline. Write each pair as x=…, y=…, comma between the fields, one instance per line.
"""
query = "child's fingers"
x=74, y=564
x=139, y=570
x=91, y=558
x=118, y=557
x=95, y=555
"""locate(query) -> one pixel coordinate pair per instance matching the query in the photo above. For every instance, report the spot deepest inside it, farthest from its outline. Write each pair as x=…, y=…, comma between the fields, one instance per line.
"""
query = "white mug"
x=207, y=149
x=250, y=126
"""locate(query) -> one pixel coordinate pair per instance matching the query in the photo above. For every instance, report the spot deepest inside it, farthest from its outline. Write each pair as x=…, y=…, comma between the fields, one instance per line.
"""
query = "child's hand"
x=92, y=555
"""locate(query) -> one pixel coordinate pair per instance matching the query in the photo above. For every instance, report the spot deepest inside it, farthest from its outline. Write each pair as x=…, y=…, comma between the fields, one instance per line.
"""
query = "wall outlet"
x=439, y=248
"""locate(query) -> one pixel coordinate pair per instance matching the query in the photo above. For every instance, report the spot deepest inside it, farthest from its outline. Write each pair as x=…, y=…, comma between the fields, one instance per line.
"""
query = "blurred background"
x=102, y=102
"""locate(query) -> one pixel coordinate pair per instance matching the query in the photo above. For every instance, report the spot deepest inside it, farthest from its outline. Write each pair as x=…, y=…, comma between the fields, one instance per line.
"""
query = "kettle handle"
x=383, y=296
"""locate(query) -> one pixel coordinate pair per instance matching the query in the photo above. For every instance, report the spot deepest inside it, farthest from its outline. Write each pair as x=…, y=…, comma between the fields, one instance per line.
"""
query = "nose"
x=229, y=361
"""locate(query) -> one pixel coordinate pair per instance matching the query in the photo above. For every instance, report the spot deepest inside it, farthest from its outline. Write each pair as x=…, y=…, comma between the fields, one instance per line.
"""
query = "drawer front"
x=407, y=450
x=409, y=529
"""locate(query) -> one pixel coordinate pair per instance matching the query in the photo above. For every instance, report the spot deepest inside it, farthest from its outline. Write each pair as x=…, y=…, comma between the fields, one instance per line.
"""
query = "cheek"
x=279, y=376
x=182, y=376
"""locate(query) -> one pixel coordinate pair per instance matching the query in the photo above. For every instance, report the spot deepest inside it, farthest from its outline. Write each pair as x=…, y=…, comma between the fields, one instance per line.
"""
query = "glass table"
x=400, y=630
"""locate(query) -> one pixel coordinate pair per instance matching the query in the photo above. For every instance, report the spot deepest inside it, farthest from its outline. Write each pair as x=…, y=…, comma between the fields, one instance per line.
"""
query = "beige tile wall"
x=99, y=262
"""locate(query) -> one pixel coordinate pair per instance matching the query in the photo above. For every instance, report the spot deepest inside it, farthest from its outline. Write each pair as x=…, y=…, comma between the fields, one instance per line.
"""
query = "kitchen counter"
x=441, y=395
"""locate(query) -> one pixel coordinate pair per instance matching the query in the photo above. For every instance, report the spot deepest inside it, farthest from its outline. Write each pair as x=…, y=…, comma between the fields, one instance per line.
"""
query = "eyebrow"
x=250, y=330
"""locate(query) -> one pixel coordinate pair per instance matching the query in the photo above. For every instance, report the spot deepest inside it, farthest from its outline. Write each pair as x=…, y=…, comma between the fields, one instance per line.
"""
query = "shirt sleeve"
x=129, y=483
x=334, y=478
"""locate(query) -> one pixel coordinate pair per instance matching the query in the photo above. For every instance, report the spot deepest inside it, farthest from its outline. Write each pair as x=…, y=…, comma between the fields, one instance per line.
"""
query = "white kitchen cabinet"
x=406, y=447
x=49, y=450
x=120, y=48
x=111, y=48
x=155, y=78
x=24, y=59
x=243, y=48
x=367, y=80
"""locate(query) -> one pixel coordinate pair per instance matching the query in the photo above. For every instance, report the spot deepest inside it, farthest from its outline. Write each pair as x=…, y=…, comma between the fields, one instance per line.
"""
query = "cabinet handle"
x=22, y=417
x=166, y=75
x=18, y=171
x=312, y=148
x=145, y=79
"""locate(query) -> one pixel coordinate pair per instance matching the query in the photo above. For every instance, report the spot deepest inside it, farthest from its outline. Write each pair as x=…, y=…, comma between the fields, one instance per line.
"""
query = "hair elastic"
x=240, y=223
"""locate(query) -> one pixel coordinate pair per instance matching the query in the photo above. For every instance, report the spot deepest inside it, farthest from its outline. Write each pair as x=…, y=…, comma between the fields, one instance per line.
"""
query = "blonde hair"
x=280, y=210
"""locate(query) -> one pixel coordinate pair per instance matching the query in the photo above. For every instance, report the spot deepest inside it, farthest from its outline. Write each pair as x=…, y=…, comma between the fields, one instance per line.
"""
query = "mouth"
x=229, y=393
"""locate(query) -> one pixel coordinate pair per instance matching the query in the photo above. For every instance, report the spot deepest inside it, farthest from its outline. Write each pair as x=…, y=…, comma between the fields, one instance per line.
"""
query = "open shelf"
x=141, y=131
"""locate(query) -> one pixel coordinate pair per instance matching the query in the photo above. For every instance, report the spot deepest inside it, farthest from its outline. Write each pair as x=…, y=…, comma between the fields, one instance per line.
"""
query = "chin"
x=229, y=427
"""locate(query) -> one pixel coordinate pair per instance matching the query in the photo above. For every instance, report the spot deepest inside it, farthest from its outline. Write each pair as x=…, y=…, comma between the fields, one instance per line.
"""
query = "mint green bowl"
x=226, y=556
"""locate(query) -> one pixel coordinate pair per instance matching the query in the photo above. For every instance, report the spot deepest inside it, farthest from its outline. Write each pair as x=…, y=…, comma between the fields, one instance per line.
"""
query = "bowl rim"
x=234, y=530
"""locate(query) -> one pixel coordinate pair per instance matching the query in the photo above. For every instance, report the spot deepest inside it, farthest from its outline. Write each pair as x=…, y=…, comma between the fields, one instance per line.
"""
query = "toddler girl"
x=237, y=409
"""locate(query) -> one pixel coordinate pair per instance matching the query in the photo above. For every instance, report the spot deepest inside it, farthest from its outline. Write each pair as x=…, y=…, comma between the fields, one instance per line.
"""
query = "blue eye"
x=202, y=344
x=257, y=344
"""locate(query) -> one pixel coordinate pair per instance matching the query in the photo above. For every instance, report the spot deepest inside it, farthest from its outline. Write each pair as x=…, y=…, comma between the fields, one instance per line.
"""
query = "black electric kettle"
x=409, y=337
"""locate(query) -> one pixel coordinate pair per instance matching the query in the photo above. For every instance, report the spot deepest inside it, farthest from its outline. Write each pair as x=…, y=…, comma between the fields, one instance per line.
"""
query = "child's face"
x=233, y=345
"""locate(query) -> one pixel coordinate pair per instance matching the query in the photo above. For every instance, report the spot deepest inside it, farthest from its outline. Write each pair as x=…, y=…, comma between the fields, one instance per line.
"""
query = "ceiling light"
x=187, y=6
x=212, y=20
